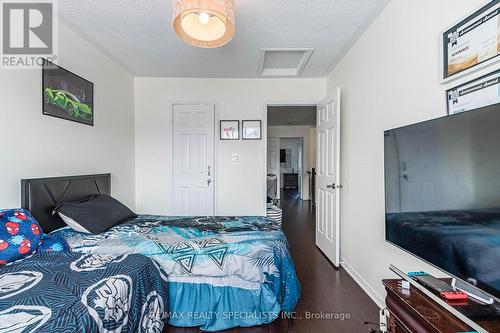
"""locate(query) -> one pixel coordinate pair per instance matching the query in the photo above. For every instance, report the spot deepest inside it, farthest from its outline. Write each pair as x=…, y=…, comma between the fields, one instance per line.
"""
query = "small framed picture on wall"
x=480, y=92
x=229, y=129
x=252, y=129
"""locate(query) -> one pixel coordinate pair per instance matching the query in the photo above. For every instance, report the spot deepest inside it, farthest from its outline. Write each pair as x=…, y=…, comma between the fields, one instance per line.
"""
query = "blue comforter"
x=62, y=292
x=222, y=271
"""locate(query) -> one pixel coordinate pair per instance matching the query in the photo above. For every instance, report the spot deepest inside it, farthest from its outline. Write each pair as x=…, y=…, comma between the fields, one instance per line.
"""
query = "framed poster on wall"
x=473, y=42
x=229, y=129
x=480, y=92
x=252, y=129
x=66, y=95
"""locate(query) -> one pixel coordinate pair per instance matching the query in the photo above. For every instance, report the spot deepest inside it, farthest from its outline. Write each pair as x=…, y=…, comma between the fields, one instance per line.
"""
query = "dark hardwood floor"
x=325, y=290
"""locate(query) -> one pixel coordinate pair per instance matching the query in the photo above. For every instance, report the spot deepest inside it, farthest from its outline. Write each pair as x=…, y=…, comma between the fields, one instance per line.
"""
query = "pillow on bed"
x=95, y=214
x=50, y=243
x=20, y=234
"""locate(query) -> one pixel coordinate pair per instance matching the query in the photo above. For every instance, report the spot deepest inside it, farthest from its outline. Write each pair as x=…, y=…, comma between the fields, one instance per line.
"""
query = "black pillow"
x=94, y=214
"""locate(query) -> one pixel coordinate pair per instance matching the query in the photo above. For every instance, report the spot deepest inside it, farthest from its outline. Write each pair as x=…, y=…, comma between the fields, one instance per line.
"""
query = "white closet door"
x=193, y=159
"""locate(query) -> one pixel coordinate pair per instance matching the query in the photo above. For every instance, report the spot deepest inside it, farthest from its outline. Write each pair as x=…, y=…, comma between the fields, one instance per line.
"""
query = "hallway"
x=326, y=291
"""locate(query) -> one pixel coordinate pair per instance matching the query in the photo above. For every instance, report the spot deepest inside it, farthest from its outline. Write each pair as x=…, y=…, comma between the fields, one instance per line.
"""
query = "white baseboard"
x=363, y=284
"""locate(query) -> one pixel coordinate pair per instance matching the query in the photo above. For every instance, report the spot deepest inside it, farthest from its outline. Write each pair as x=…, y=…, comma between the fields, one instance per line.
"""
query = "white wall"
x=34, y=145
x=304, y=132
x=240, y=186
x=391, y=77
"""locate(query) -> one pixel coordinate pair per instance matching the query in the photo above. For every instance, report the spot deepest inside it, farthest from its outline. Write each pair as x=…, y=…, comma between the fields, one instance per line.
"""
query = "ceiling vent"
x=283, y=62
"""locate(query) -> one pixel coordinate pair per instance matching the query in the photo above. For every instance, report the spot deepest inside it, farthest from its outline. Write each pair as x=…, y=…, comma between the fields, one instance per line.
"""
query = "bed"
x=64, y=292
x=222, y=272
x=464, y=243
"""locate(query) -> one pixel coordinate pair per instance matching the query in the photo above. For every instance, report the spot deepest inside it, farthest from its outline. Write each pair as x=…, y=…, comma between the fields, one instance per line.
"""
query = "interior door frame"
x=264, y=139
x=215, y=104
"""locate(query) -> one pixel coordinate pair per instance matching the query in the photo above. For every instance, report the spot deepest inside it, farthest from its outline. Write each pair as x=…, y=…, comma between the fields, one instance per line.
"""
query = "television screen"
x=442, y=194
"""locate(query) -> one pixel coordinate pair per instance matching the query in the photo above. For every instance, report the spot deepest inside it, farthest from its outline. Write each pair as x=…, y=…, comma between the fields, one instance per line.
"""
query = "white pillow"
x=73, y=224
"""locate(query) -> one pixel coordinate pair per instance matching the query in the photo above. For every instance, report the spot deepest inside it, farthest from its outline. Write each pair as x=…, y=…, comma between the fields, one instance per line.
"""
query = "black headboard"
x=41, y=195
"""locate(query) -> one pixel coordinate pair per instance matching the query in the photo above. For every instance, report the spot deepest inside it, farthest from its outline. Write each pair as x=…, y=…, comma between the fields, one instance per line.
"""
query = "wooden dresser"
x=413, y=312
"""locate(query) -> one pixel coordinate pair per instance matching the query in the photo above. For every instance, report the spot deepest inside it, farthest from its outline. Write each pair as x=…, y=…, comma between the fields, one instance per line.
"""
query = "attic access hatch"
x=284, y=62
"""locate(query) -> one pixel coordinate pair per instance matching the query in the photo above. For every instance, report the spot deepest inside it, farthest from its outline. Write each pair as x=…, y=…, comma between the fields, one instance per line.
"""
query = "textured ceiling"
x=291, y=115
x=138, y=34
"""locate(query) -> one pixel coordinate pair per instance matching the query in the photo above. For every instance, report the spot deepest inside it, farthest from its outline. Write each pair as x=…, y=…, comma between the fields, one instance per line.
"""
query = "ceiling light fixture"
x=204, y=23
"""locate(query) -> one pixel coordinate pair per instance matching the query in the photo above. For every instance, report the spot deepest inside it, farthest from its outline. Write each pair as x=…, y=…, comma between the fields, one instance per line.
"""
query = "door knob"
x=209, y=181
x=332, y=186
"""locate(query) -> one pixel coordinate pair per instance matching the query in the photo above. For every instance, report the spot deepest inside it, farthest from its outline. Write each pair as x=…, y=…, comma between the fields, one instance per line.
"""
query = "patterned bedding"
x=63, y=292
x=223, y=272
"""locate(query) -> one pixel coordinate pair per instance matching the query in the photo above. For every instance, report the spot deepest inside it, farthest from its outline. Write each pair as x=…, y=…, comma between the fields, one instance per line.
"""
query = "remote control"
x=438, y=286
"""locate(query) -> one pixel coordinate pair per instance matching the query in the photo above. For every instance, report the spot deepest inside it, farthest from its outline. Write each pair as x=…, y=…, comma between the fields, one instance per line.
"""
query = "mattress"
x=223, y=272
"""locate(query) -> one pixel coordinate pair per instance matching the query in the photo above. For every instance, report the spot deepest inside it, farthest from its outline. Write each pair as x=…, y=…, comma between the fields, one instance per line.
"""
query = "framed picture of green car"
x=67, y=95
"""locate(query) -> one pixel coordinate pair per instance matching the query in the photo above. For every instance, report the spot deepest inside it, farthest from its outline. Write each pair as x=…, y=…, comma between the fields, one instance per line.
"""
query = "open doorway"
x=291, y=165
x=291, y=152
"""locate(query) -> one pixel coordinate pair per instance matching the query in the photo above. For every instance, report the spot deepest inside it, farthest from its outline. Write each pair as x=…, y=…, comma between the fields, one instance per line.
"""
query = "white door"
x=193, y=159
x=273, y=161
x=328, y=178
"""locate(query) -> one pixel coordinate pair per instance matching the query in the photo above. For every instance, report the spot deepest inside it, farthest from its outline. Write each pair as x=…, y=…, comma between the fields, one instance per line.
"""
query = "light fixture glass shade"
x=204, y=23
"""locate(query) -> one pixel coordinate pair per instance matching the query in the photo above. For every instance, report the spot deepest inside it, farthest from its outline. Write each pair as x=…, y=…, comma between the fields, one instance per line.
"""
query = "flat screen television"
x=442, y=194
